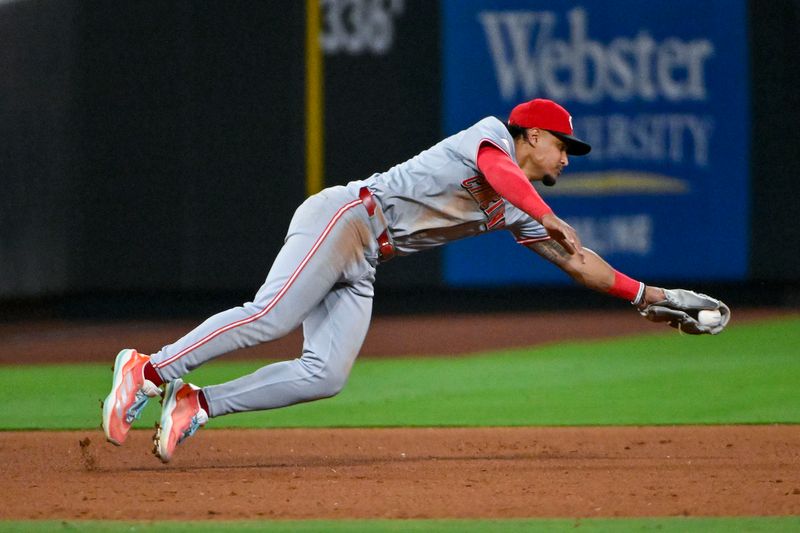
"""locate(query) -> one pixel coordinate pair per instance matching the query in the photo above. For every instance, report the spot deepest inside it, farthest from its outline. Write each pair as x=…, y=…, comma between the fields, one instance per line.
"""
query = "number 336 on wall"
x=355, y=27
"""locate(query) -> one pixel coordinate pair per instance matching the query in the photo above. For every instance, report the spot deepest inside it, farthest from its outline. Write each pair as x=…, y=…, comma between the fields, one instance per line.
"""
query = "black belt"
x=386, y=249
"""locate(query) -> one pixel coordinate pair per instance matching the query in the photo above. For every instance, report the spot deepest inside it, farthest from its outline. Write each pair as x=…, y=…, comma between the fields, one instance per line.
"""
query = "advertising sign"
x=660, y=91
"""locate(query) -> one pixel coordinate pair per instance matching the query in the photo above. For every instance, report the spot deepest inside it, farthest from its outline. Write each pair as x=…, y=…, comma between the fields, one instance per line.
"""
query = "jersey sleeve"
x=489, y=130
x=490, y=141
x=507, y=179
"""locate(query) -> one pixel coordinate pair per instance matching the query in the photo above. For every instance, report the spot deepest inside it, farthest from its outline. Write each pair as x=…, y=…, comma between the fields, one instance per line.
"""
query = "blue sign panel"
x=660, y=91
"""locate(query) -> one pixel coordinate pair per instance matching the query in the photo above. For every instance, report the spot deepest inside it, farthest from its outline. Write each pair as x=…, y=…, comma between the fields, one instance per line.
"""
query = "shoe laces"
x=195, y=423
x=148, y=390
x=135, y=411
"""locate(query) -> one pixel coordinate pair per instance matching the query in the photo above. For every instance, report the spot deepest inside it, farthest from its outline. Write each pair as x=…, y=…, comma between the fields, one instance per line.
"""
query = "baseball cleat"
x=181, y=417
x=129, y=394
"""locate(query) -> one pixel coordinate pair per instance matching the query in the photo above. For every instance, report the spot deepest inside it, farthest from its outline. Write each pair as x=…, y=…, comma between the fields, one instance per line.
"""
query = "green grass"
x=704, y=525
x=749, y=374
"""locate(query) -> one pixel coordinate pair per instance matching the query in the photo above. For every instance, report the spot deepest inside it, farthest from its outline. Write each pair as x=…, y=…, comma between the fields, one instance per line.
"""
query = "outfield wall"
x=158, y=147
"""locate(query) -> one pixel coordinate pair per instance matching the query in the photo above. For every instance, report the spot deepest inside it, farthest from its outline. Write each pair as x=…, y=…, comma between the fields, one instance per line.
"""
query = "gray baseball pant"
x=323, y=278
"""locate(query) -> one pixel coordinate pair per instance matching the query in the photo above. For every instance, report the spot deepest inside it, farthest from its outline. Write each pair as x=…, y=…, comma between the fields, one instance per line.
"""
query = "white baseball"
x=709, y=318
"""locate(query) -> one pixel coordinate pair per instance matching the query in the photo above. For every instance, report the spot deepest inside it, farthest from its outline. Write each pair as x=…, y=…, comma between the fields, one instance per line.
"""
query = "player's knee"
x=326, y=378
x=331, y=384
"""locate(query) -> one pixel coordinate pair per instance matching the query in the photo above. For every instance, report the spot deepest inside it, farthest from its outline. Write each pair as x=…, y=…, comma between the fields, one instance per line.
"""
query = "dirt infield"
x=407, y=473
x=392, y=473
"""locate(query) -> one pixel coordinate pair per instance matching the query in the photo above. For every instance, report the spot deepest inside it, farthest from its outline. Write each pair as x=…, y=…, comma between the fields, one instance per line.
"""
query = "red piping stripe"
x=273, y=302
x=533, y=239
x=496, y=145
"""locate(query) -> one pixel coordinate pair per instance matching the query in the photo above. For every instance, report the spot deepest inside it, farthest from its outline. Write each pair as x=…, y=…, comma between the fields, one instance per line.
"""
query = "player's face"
x=544, y=155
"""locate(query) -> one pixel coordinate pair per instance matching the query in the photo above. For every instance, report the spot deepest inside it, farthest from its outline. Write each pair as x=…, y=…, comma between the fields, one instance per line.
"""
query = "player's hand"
x=651, y=295
x=564, y=234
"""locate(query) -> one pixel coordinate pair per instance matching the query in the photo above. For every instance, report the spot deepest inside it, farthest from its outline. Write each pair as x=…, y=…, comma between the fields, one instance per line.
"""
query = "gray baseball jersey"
x=439, y=195
x=323, y=276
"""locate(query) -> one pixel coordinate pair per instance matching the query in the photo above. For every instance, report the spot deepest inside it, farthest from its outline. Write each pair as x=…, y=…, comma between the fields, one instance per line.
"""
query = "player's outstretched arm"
x=591, y=271
x=688, y=311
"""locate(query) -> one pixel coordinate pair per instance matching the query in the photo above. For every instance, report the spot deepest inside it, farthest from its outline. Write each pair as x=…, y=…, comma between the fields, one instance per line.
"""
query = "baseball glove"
x=680, y=309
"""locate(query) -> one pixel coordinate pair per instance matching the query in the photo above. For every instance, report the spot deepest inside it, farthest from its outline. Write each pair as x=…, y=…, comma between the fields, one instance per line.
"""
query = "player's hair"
x=515, y=131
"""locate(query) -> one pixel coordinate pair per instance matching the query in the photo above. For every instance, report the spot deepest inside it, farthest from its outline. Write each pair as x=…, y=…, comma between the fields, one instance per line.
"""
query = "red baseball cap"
x=549, y=116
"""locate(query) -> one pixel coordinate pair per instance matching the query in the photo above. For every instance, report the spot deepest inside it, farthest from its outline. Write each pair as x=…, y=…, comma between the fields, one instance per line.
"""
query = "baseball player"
x=475, y=181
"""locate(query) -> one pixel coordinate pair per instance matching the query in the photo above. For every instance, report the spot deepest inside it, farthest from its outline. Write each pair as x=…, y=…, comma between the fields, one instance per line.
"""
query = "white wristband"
x=639, y=295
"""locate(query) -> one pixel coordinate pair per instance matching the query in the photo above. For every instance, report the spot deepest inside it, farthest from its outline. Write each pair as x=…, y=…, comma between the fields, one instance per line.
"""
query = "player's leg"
x=326, y=235
x=334, y=332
